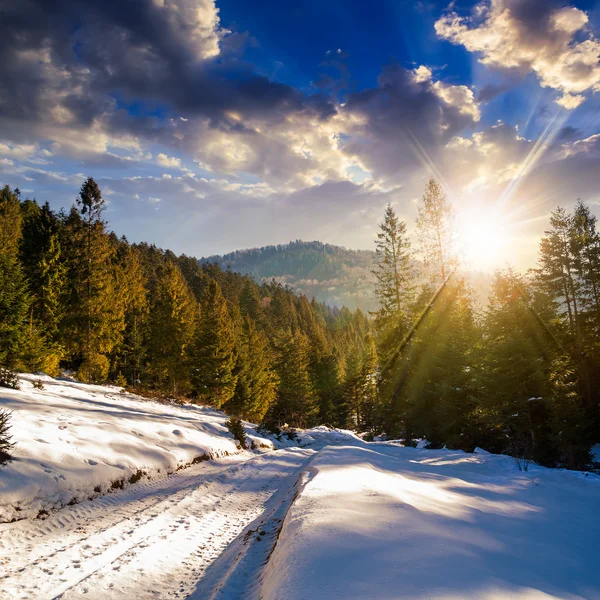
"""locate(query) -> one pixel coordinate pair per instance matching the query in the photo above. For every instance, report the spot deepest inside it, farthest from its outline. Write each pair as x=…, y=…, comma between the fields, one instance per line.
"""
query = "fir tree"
x=213, y=375
x=95, y=318
x=436, y=234
x=393, y=271
x=256, y=385
x=172, y=329
x=5, y=438
x=296, y=403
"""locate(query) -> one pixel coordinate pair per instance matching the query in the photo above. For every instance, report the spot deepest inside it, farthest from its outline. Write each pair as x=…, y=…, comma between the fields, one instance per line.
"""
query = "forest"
x=517, y=376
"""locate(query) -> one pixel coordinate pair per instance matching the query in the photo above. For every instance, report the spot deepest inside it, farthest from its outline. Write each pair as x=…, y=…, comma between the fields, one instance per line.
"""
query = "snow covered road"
x=393, y=523
x=154, y=540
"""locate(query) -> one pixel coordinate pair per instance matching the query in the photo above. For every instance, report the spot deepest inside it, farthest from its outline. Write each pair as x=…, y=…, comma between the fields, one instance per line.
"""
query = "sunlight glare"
x=483, y=239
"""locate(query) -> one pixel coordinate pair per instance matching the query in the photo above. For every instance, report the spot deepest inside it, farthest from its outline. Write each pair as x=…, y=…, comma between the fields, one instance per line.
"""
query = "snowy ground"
x=157, y=540
x=394, y=523
x=77, y=441
x=335, y=518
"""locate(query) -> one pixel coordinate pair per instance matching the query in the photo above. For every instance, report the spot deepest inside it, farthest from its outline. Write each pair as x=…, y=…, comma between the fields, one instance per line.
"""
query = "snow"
x=160, y=539
x=77, y=441
x=389, y=522
x=596, y=453
x=325, y=515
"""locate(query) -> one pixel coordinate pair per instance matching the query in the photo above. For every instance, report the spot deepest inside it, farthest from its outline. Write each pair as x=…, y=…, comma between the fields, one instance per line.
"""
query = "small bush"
x=5, y=444
x=8, y=379
x=94, y=369
x=236, y=427
x=121, y=381
x=38, y=384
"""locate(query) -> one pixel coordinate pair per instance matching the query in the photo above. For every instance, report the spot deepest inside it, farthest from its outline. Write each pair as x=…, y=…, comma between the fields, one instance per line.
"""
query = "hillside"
x=332, y=274
x=136, y=498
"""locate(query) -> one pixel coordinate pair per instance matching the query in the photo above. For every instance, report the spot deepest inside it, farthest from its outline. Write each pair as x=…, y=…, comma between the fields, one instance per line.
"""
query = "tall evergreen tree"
x=95, y=319
x=296, y=403
x=214, y=377
x=435, y=224
x=172, y=329
x=14, y=297
x=393, y=272
x=256, y=385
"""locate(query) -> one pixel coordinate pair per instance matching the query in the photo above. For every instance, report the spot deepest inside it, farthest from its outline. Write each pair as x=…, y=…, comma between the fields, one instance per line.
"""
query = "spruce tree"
x=94, y=320
x=256, y=386
x=393, y=271
x=172, y=328
x=14, y=296
x=296, y=403
x=435, y=224
x=213, y=374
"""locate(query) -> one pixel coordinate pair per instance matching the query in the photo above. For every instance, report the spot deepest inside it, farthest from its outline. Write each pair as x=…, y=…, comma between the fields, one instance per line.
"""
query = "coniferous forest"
x=517, y=376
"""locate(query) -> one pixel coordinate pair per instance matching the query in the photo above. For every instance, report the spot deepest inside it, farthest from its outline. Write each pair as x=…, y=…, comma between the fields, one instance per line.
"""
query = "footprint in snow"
x=177, y=432
x=91, y=462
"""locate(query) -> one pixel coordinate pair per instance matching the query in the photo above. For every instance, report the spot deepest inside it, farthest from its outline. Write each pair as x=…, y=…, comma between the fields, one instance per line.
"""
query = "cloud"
x=170, y=162
x=91, y=75
x=532, y=35
x=399, y=126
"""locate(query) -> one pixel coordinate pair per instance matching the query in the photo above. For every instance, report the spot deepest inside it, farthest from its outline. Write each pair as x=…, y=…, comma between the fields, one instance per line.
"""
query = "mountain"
x=332, y=274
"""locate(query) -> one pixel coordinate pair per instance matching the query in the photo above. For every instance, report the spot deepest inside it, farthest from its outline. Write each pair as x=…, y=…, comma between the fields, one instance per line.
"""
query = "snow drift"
x=77, y=441
x=388, y=522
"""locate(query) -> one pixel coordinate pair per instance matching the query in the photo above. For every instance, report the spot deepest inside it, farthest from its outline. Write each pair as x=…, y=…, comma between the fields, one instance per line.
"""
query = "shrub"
x=5, y=444
x=236, y=427
x=38, y=384
x=8, y=379
x=94, y=369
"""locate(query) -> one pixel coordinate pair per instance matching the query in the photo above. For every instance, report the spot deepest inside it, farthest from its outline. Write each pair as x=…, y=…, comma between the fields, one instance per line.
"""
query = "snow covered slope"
x=77, y=441
x=391, y=523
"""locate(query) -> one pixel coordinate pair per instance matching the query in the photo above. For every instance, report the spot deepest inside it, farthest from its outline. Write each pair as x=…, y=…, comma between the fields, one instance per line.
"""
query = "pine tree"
x=393, y=271
x=256, y=386
x=328, y=379
x=133, y=296
x=353, y=389
x=371, y=409
x=95, y=318
x=172, y=329
x=5, y=438
x=296, y=403
x=435, y=224
x=215, y=355
x=14, y=297
x=515, y=372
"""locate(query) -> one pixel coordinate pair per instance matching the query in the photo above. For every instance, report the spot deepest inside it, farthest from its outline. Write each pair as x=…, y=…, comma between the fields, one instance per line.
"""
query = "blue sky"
x=216, y=125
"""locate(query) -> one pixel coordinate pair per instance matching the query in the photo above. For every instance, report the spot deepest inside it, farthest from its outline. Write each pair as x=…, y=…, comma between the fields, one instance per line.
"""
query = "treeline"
x=332, y=274
x=73, y=296
x=522, y=376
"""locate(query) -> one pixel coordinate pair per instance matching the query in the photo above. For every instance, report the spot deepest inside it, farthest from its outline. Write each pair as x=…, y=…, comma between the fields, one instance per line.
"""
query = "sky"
x=217, y=125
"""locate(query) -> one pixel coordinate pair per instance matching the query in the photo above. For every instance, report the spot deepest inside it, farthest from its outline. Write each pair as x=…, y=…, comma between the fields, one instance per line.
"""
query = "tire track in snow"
x=146, y=545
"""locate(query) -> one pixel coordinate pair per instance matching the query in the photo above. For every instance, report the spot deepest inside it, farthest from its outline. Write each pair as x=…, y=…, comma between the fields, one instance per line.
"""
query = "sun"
x=484, y=239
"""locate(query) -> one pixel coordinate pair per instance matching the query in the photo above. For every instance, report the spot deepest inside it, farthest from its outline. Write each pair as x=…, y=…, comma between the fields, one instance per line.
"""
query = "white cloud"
x=168, y=161
x=549, y=40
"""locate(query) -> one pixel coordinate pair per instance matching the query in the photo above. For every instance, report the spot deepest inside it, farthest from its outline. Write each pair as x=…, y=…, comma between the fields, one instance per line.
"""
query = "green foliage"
x=522, y=378
x=14, y=308
x=256, y=386
x=5, y=438
x=8, y=379
x=172, y=328
x=215, y=355
x=296, y=403
x=236, y=428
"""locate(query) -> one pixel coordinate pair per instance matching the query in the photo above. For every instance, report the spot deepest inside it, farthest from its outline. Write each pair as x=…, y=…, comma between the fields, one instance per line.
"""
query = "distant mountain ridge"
x=332, y=274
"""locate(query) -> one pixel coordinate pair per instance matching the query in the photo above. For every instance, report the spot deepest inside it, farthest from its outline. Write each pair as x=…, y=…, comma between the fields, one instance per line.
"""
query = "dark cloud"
x=63, y=60
x=406, y=120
